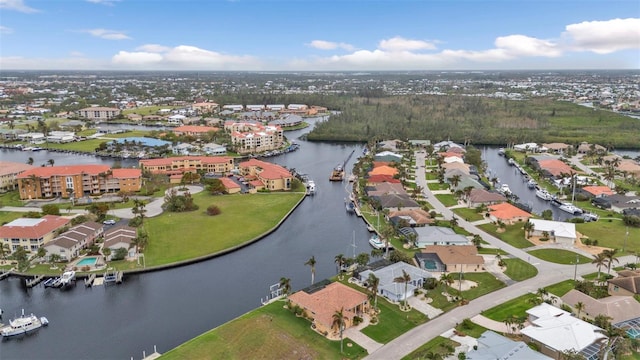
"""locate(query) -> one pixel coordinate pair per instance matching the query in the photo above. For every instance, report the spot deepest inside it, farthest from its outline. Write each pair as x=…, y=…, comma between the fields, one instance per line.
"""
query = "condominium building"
x=9, y=172
x=98, y=113
x=30, y=233
x=250, y=137
x=269, y=176
x=220, y=165
x=76, y=181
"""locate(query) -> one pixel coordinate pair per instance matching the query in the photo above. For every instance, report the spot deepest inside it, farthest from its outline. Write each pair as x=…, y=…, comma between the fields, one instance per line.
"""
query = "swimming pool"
x=89, y=261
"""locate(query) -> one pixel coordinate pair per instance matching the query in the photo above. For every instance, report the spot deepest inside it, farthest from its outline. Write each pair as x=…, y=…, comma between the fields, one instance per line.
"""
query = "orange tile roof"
x=455, y=254
x=7, y=167
x=325, y=302
x=49, y=171
x=170, y=160
x=380, y=163
x=598, y=190
x=228, y=183
x=555, y=167
x=382, y=178
x=48, y=224
x=269, y=170
x=384, y=170
x=195, y=129
x=126, y=173
x=507, y=211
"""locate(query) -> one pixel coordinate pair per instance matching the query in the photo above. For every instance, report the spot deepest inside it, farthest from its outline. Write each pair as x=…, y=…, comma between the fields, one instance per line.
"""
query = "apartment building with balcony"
x=249, y=137
x=220, y=165
x=99, y=113
x=30, y=233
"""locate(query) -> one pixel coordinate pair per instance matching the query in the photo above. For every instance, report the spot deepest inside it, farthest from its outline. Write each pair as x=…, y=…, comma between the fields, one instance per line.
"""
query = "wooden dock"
x=113, y=277
x=4, y=274
x=34, y=281
x=88, y=282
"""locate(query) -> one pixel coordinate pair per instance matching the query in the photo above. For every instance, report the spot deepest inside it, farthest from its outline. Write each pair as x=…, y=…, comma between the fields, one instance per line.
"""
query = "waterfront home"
x=388, y=156
x=183, y=149
x=9, y=172
x=627, y=283
x=76, y=181
x=414, y=217
x=30, y=233
x=492, y=346
x=373, y=180
x=213, y=149
x=629, y=167
x=558, y=148
x=384, y=170
x=465, y=182
x=121, y=237
x=231, y=186
x=385, y=188
x=618, y=203
x=68, y=244
x=438, y=235
x=595, y=191
x=464, y=168
x=585, y=147
x=396, y=201
x=560, y=232
x=617, y=308
x=450, y=258
x=220, y=165
x=555, y=331
x=392, y=289
x=288, y=120
x=529, y=147
x=507, y=213
x=389, y=144
x=446, y=145
x=271, y=176
x=320, y=304
x=482, y=196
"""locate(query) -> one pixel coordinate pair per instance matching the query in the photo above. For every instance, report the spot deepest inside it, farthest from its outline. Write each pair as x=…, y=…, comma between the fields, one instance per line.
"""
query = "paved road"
x=548, y=274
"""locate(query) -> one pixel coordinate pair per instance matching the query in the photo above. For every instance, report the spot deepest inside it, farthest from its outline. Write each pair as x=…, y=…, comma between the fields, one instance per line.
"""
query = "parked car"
x=109, y=222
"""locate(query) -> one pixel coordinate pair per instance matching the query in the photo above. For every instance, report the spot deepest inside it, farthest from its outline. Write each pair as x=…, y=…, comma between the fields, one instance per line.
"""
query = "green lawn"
x=447, y=199
x=437, y=186
x=491, y=251
x=85, y=145
x=470, y=328
x=179, y=236
x=611, y=234
x=11, y=198
x=561, y=288
x=147, y=110
x=516, y=307
x=437, y=345
x=519, y=270
x=486, y=283
x=392, y=322
x=468, y=214
x=6, y=216
x=512, y=235
x=560, y=256
x=269, y=332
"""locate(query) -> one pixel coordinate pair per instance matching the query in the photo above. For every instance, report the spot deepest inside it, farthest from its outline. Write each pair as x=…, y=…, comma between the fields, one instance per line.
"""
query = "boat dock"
x=88, y=282
x=4, y=274
x=34, y=281
x=113, y=277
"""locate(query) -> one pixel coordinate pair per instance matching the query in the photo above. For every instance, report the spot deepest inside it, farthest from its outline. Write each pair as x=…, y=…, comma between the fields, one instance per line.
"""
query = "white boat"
x=501, y=151
x=23, y=325
x=532, y=183
x=570, y=208
x=370, y=228
x=351, y=207
x=376, y=242
x=67, y=277
x=311, y=187
x=544, y=194
x=511, y=162
x=504, y=189
x=352, y=178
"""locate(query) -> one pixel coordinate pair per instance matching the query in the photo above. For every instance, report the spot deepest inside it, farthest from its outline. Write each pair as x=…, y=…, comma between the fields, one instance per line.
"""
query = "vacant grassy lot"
x=434, y=349
x=512, y=235
x=468, y=214
x=561, y=288
x=147, y=110
x=519, y=270
x=560, y=256
x=392, y=322
x=85, y=146
x=447, y=199
x=269, y=332
x=471, y=329
x=611, y=234
x=179, y=236
x=486, y=283
x=516, y=307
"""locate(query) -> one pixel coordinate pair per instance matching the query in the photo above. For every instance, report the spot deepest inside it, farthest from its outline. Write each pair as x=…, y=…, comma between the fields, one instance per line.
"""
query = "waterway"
x=169, y=307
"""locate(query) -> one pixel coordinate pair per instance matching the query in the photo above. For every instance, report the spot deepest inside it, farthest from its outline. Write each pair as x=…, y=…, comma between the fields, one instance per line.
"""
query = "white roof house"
x=452, y=159
x=557, y=330
x=394, y=290
x=533, y=147
x=492, y=346
x=561, y=232
x=438, y=235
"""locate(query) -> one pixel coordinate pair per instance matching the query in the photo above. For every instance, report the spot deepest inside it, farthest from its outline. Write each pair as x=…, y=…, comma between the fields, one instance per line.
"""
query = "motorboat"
x=501, y=151
x=532, y=183
x=544, y=194
x=504, y=189
x=23, y=325
x=352, y=178
x=376, y=242
x=67, y=277
x=351, y=207
x=311, y=187
x=511, y=161
x=570, y=208
x=370, y=228
x=337, y=174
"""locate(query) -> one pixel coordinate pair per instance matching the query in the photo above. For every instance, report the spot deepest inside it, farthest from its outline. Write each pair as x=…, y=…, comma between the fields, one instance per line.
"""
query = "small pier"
x=34, y=281
x=88, y=282
x=113, y=277
x=4, y=274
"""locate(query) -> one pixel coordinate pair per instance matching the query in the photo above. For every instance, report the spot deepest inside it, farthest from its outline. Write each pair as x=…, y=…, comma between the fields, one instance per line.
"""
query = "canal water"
x=169, y=307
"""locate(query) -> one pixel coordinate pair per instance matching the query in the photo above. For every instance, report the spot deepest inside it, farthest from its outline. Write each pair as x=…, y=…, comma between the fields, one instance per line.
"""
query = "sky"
x=319, y=35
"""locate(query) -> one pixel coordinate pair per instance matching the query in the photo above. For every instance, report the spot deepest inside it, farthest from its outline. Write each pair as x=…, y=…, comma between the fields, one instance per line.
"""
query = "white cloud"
x=401, y=44
x=604, y=37
x=17, y=5
x=5, y=30
x=154, y=48
x=108, y=34
x=103, y=2
x=328, y=45
x=184, y=57
x=521, y=45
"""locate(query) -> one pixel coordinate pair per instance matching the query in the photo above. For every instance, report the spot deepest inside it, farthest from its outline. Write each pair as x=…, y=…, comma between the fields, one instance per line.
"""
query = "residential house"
x=492, y=346
x=272, y=177
x=396, y=201
x=465, y=168
x=627, y=283
x=388, y=156
x=507, y=213
x=629, y=168
x=390, y=144
x=385, y=188
x=183, y=149
x=560, y=232
x=30, y=233
x=9, y=172
x=220, y=165
x=482, y=196
x=585, y=147
x=392, y=289
x=99, y=113
x=446, y=145
x=195, y=131
x=321, y=304
x=413, y=217
x=384, y=170
x=595, y=191
x=231, y=186
x=121, y=237
x=619, y=203
x=529, y=147
x=466, y=182
x=558, y=148
x=373, y=180
x=555, y=331
x=438, y=235
x=450, y=258
x=177, y=119
x=68, y=244
x=61, y=137
x=214, y=149
x=617, y=308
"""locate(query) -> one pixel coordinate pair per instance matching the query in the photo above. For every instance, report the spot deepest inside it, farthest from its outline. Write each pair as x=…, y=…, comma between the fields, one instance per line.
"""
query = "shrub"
x=430, y=284
x=213, y=210
x=467, y=324
x=357, y=320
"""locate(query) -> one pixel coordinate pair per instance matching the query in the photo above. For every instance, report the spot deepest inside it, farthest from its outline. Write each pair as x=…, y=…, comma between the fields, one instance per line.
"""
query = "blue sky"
x=319, y=35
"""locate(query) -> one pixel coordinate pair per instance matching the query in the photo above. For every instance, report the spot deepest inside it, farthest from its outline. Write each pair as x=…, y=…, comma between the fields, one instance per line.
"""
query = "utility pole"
x=575, y=272
x=624, y=246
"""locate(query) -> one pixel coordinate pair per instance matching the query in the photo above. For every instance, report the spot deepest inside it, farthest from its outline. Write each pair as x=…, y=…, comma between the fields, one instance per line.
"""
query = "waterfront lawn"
x=147, y=110
x=7, y=216
x=515, y=307
x=560, y=256
x=392, y=322
x=176, y=237
x=447, y=199
x=269, y=332
x=519, y=270
x=437, y=348
x=561, y=288
x=512, y=235
x=469, y=214
x=11, y=198
x=611, y=234
x=84, y=146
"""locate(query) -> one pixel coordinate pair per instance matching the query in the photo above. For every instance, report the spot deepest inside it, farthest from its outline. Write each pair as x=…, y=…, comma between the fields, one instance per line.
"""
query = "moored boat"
x=23, y=325
x=570, y=208
x=376, y=242
x=351, y=207
x=544, y=194
x=532, y=183
x=505, y=190
x=511, y=162
x=67, y=277
x=501, y=151
x=311, y=187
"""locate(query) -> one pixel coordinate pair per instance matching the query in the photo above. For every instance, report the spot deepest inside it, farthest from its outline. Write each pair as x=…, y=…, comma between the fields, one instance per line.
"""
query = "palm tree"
x=579, y=306
x=477, y=241
x=285, y=285
x=376, y=253
x=106, y=252
x=51, y=162
x=312, y=263
x=528, y=228
x=405, y=278
x=455, y=180
x=339, y=321
x=373, y=282
x=446, y=280
x=30, y=161
x=599, y=260
x=339, y=260
x=610, y=255
x=454, y=221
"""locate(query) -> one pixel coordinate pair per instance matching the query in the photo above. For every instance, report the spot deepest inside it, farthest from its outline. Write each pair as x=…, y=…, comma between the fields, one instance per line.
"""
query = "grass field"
x=611, y=234
x=560, y=256
x=432, y=349
x=491, y=251
x=561, y=288
x=447, y=199
x=147, y=110
x=11, y=198
x=85, y=146
x=516, y=307
x=486, y=283
x=392, y=322
x=269, y=332
x=519, y=270
x=512, y=235
x=178, y=236
x=468, y=214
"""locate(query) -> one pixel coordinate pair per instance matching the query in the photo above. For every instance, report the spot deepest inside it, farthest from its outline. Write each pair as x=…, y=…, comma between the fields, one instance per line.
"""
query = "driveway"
x=154, y=208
